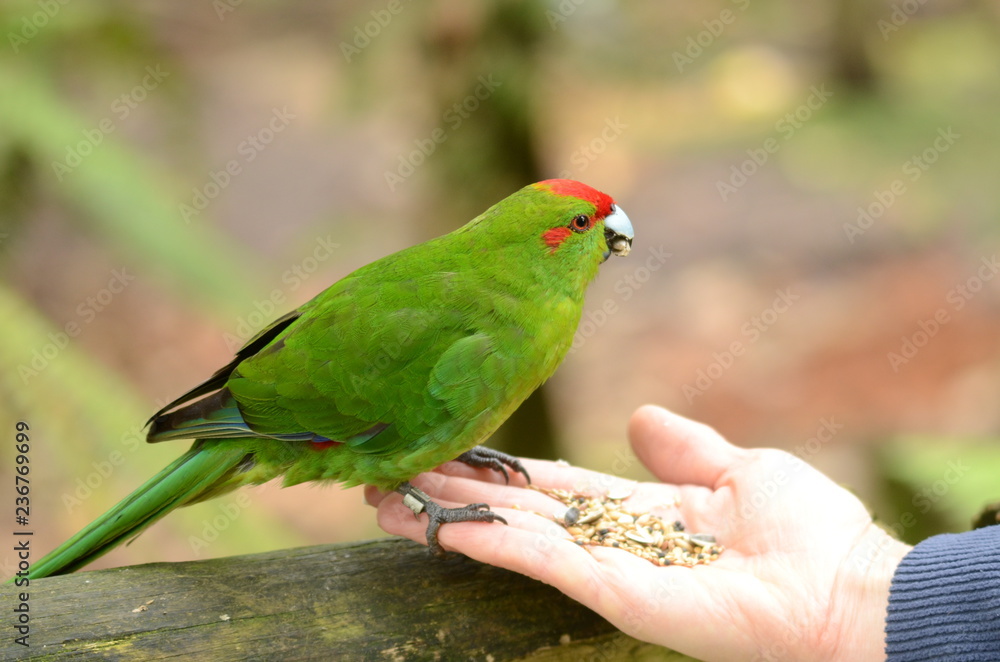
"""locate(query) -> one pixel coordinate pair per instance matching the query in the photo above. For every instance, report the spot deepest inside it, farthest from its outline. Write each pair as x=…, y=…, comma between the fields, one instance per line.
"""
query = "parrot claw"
x=419, y=502
x=482, y=457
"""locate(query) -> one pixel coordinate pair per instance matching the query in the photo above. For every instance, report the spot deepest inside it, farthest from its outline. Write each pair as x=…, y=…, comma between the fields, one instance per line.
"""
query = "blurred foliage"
x=49, y=151
x=114, y=190
x=935, y=485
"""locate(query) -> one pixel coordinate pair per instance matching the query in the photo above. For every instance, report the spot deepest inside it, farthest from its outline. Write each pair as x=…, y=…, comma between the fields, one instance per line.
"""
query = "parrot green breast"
x=411, y=360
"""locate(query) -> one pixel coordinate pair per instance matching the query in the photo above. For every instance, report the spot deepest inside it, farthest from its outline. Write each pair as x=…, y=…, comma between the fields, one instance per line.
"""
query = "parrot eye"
x=581, y=223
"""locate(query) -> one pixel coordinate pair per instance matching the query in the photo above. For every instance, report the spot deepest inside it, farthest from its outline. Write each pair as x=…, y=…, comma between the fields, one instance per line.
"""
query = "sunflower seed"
x=592, y=516
x=640, y=536
x=621, y=492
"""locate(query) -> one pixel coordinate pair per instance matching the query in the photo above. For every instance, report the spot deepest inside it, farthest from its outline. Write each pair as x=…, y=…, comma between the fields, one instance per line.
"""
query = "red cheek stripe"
x=555, y=237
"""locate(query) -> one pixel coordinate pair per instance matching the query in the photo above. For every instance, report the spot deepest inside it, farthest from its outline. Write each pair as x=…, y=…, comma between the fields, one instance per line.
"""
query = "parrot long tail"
x=199, y=474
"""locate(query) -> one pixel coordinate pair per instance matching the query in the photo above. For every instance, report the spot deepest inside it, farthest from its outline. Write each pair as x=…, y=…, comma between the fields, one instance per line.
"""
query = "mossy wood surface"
x=377, y=600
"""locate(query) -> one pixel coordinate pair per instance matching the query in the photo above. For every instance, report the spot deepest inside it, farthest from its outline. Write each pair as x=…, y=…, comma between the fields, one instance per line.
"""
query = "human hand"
x=805, y=574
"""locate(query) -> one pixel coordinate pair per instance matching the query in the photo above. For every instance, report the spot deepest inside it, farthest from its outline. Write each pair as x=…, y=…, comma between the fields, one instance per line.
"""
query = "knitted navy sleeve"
x=944, y=603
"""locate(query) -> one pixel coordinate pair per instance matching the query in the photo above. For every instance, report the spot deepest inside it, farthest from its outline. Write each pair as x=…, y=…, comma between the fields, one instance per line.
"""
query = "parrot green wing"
x=471, y=375
x=388, y=357
x=220, y=376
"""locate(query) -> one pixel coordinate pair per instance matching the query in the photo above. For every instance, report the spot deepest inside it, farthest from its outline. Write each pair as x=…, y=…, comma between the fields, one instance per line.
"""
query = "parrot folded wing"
x=221, y=376
x=471, y=377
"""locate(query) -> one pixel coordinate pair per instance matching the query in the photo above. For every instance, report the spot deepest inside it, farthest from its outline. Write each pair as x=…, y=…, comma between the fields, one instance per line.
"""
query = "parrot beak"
x=617, y=232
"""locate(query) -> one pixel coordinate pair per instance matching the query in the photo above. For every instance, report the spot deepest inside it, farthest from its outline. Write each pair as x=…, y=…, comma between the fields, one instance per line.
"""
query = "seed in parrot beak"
x=620, y=246
x=618, y=232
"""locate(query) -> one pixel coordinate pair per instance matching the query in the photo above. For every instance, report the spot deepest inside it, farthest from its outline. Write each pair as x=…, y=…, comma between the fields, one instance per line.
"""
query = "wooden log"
x=376, y=600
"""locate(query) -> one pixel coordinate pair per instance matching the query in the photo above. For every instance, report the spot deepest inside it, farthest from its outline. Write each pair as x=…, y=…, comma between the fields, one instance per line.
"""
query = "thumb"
x=678, y=450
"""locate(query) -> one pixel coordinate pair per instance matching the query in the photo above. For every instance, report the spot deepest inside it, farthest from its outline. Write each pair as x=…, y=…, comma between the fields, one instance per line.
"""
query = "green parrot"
x=405, y=364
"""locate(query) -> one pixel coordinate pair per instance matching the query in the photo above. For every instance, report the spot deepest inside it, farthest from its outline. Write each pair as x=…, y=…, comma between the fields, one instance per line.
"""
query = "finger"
x=547, y=474
x=398, y=519
x=485, y=474
x=463, y=485
x=679, y=450
x=458, y=491
x=462, y=491
x=373, y=496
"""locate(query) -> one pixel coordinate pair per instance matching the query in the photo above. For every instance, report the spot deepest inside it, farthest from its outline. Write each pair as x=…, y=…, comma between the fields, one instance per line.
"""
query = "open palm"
x=805, y=574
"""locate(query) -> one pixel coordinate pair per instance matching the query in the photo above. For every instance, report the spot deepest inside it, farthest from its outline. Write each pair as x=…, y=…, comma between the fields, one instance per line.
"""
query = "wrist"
x=860, y=596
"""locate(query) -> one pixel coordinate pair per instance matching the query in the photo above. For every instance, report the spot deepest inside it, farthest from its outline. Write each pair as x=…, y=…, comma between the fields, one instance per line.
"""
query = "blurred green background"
x=814, y=190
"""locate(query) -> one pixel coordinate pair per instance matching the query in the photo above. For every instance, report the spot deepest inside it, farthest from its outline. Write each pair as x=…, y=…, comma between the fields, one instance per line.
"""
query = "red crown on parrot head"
x=579, y=190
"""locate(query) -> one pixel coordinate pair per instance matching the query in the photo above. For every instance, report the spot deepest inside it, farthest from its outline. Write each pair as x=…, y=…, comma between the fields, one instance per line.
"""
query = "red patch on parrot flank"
x=575, y=189
x=555, y=237
x=323, y=445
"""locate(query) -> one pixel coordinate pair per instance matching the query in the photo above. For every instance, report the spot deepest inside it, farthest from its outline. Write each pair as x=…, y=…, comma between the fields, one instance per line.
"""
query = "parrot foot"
x=482, y=457
x=419, y=502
